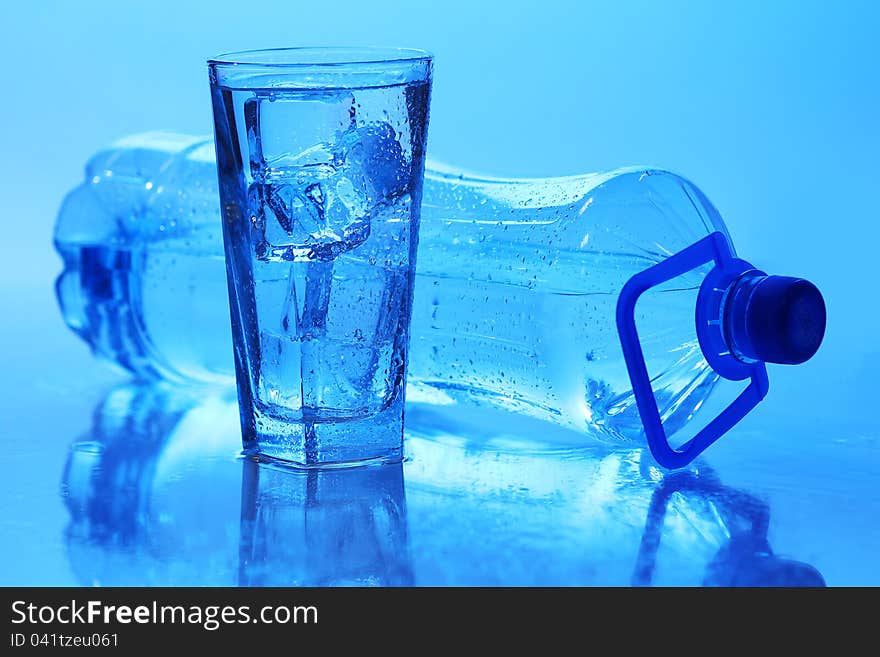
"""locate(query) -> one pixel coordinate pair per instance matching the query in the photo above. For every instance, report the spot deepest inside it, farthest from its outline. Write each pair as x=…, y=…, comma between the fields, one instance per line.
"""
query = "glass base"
x=328, y=444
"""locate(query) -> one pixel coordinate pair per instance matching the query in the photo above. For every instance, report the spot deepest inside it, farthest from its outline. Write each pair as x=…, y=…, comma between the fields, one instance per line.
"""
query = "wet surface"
x=108, y=482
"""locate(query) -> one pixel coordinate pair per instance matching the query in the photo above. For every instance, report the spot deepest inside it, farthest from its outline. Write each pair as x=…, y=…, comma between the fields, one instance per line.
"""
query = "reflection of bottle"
x=516, y=287
x=583, y=516
x=324, y=527
x=737, y=529
x=158, y=495
x=152, y=490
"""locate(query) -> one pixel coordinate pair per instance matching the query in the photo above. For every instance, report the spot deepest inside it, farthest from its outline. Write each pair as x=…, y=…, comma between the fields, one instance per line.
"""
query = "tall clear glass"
x=320, y=159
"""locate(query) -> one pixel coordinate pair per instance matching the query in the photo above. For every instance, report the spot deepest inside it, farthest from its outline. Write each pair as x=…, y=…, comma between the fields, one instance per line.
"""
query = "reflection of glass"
x=740, y=523
x=158, y=495
x=324, y=527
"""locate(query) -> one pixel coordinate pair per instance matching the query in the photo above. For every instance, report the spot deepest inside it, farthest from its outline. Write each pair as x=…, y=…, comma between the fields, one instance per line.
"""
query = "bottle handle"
x=712, y=248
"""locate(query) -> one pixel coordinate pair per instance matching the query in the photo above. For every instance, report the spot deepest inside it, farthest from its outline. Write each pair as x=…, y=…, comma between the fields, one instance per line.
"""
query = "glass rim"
x=319, y=56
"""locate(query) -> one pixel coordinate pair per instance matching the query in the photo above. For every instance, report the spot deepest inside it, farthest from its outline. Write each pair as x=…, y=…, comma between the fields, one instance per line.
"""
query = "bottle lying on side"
x=606, y=303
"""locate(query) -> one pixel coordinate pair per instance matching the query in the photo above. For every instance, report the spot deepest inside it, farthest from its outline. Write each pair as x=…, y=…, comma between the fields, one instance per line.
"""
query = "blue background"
x=771, y=108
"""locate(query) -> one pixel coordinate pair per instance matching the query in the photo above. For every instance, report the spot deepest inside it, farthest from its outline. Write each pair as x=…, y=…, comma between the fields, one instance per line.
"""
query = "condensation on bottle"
x=516, y=284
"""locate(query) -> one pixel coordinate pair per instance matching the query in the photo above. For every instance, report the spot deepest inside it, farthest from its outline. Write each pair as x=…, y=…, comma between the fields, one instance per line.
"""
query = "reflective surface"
x=156, y=494
x=110, y=482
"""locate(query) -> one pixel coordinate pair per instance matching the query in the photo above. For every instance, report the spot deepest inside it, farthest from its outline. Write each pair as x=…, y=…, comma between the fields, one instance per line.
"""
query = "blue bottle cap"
x=779, y=319
x=744, y=319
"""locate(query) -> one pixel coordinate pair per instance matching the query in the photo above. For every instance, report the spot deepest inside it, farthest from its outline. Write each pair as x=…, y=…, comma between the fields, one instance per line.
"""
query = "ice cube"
x=283, y=127
x=375, y=154
x=313, y=200
x=306, y=217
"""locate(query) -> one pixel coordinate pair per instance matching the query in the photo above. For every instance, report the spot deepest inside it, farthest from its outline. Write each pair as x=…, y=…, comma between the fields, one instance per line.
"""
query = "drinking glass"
x=320, y=159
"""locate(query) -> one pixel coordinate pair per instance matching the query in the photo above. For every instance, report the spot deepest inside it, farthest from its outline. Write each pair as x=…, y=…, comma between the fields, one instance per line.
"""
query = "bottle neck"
x=774, y=319
x=734, y=315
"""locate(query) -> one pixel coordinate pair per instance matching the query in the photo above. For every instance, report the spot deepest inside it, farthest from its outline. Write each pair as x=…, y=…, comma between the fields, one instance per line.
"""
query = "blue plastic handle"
x=712, y=248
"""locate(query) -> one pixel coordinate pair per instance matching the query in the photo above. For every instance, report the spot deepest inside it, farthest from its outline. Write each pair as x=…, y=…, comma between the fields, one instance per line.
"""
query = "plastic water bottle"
x=607, y=303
